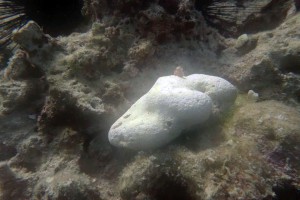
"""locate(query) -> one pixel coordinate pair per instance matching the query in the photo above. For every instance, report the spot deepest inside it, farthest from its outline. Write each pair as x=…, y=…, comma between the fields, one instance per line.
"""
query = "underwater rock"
x=141, y=50
x=241, y=41
x=69, y=109
x=253, y=96
x=245, y=44
x=60, y=99
x=172, y=105
x=261, y=143
x=17, y=94
x=271, y=69
x=66, y=186
x=12, y=186
x=20, y=68
x=31, y=37
x=277, y=127
x=271, y=119
x=39, y=46
x=146, y=175
x=29, y=156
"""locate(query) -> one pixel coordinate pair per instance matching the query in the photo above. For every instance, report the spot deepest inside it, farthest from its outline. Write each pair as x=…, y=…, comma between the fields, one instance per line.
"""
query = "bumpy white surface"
x=171, y=105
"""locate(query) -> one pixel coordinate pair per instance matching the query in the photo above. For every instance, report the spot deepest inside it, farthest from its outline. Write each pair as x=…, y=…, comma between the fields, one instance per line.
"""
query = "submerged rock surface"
x=60, y=96
x=172, y=105
x=259, y=150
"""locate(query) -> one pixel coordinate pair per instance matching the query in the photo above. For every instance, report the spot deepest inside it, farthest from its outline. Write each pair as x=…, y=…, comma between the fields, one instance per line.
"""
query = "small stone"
x=179, y=72
x=245, y=44
x=230, y=143
x=253, y=96
x=242, y=41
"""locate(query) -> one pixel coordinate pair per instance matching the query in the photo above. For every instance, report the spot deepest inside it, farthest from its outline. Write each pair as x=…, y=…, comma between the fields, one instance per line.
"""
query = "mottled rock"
x=271, y=69
x=39, y=46
x=67, y=185
x=270, y=119
x=15, y=94
x=12, y=186
x=141, y=50
x=30, y=37
x=261, y=143
x=20, y=67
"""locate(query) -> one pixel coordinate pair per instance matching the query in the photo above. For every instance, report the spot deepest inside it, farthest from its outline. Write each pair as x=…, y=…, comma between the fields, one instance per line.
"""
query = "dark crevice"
x=297, y=4
x=56, y=17
x=168, y=188
x=170, y=6
x=285, y=190
x=130, y=7
x=7, y=151
x=290, y=63
x=118, y=69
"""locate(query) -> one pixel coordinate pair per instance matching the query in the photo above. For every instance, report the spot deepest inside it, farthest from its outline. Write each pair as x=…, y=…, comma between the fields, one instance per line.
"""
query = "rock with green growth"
x=257, y=149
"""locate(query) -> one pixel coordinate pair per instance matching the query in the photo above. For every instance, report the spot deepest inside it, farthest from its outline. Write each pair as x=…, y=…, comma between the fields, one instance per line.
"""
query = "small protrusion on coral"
x=179, y=72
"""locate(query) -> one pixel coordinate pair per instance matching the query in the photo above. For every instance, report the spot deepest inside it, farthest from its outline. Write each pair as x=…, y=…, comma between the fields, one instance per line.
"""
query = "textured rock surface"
x=59, y=97
x=39, y=45
x=274, y=62
x=250, y=158
x=172, y=105
x=20, y=68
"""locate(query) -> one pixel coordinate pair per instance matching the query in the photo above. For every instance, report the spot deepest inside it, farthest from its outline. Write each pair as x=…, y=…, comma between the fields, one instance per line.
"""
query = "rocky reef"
x=60, y=95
